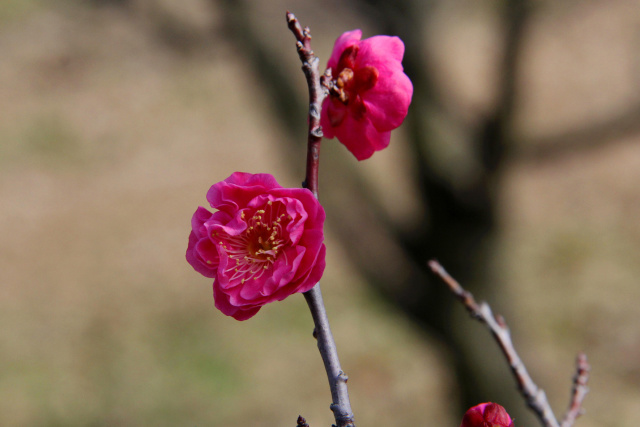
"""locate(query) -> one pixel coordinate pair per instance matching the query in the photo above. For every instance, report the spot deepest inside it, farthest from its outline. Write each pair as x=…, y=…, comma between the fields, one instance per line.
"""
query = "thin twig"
x=579, y=391
x=316, y=96
x=341, y=405
x=301, y=422
x=534, y=396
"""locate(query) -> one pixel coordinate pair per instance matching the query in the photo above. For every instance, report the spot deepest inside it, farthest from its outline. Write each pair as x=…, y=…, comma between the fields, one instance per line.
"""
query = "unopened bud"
x=487, y=415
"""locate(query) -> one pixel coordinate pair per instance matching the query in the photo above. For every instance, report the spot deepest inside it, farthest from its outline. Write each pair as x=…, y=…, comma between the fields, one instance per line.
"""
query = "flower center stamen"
x=343, y=83
x=254, y=251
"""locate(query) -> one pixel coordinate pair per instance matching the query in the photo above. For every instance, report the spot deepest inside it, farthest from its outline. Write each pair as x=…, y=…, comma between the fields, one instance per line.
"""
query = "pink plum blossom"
x=263, y=243
x=371, y=93
x=487, y=415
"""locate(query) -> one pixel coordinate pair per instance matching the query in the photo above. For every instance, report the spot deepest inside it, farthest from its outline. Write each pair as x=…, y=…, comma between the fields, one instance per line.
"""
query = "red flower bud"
x=487, y=415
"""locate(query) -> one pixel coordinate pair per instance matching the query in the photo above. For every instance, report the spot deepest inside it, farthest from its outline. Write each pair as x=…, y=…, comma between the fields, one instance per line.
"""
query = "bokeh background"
x=518, y=167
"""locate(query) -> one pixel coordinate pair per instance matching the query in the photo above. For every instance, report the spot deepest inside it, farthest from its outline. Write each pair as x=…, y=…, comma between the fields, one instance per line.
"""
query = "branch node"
x=501, y=320
x=317, y=132
x=342, y=377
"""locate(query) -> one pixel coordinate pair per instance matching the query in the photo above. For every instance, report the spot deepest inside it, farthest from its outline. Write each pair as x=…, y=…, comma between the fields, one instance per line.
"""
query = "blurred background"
x=517, y=167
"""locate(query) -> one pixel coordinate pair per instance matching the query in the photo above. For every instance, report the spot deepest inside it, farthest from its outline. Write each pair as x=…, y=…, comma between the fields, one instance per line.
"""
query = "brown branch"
x=534, y=396
x=316, y=96
x=341, y=405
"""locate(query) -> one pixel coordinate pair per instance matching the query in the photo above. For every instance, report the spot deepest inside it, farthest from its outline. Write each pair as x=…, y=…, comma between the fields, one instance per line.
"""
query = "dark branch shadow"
x=614, y=129
x=460, y=223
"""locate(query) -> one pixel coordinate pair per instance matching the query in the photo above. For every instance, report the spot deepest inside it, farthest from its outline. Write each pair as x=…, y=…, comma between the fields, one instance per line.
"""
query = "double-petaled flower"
x=263, y=243
x=370, y=95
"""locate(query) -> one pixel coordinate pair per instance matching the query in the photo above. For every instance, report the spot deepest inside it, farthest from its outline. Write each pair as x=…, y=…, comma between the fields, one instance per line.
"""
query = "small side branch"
x=341, y=405
x=534, y=396
x=579, y=391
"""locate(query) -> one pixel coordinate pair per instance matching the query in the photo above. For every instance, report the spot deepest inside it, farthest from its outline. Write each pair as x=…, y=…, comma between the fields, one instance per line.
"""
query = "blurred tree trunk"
x=460, y=222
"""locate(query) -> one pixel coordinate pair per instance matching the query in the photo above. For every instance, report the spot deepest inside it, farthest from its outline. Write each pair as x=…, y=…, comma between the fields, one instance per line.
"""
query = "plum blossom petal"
x=264, y=243
x=346, y=40
x=195, y=250
x=392, y=47
x=354, y=132
x=222, y=303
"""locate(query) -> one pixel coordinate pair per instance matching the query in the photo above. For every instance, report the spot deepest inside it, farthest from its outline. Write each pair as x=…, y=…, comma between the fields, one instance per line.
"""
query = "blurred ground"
x=113, y=127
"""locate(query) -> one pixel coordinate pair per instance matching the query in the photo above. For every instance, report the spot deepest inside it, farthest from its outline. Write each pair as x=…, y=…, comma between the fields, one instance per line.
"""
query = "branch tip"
x=579, y=390
x=301, y=422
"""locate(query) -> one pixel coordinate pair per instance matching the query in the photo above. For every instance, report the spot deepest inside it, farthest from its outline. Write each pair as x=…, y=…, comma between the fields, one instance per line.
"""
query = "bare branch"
x=579, y=391
x=341, y=405
x=316, y=96
x=534, y=396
